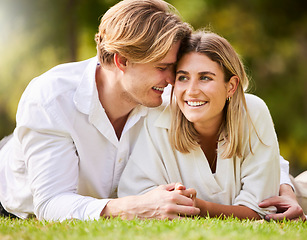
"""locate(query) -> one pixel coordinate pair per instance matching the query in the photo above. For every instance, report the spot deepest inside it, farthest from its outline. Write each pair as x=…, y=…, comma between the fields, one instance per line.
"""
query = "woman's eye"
x=181, y=78
x=205, y=78
x=162, y=68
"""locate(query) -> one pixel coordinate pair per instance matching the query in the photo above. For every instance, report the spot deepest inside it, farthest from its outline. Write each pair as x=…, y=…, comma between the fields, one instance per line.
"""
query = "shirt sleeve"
x=52, y=165
x=260, y=170
x=284, y=172
x=145, y=169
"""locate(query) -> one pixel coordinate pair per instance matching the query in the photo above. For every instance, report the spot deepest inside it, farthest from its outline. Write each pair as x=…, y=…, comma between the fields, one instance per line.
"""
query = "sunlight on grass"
x=203, y=228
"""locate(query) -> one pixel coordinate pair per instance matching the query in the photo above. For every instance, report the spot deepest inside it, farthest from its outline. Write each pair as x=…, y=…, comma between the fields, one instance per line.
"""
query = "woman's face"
x=200, y=90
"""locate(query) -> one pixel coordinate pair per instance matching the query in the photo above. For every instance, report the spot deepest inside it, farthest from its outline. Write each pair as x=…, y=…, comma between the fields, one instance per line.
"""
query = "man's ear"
x=232, y=85
x=120, y=62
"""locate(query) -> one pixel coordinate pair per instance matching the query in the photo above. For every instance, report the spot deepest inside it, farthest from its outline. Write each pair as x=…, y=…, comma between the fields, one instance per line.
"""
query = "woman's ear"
x=232, y=85
x=120, y=62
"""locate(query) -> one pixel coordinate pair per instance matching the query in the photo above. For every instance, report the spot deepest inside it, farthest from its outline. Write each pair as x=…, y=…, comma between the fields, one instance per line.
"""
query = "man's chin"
x=153, y=104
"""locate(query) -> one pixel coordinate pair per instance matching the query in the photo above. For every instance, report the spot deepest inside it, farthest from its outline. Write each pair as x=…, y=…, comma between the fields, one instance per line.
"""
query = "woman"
x=212, y=137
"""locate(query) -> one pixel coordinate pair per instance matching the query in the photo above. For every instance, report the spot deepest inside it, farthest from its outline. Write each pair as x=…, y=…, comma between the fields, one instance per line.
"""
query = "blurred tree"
x=57, y=23
x=35, y=36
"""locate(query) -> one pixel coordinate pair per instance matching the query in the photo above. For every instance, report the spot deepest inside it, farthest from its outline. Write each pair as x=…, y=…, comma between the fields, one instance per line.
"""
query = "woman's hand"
x=190, y=192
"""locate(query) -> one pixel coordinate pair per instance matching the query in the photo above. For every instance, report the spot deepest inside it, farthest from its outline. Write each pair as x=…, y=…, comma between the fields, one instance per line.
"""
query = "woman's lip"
x=196, y=103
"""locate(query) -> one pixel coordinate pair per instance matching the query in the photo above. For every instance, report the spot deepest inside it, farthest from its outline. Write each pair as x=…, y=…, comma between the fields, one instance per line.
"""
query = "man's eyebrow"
x=165, y=64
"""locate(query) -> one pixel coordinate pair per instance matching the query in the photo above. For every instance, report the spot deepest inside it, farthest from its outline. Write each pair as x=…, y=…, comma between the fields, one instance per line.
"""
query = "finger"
x=290, y=214
x=295, y=213
x=179, y=186
x=277, y=217
x=187, y=210
x=181, y=197
x=189, y=193
x=168, y=187
x=273, y=201
x=175, y=211
x=192, y=192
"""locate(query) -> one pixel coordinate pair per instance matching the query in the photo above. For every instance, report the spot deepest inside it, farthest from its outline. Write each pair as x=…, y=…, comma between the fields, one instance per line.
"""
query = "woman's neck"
x=208, y=141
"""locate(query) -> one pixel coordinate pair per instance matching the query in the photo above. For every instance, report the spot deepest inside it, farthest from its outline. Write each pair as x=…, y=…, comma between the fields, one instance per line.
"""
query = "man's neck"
x=111, y=100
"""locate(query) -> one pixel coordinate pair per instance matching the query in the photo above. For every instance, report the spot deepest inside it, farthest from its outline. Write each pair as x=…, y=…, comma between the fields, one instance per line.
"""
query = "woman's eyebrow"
x=181, y=72
x=200, y=73
x=207, y=72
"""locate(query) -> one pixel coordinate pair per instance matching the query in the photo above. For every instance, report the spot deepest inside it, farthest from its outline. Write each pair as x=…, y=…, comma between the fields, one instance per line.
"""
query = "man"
x=76, y=124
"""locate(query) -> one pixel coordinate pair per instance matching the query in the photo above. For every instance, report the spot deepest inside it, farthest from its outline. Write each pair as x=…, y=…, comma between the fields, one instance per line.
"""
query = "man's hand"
x=160, y=203
x=286, y=204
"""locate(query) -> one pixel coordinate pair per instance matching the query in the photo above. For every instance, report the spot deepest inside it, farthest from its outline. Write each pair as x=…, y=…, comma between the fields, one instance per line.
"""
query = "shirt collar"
x=136, y=114
x=86, y=92
x=164, y=120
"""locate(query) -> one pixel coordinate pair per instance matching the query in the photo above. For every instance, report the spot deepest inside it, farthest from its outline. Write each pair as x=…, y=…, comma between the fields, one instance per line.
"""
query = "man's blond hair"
x=140, y=30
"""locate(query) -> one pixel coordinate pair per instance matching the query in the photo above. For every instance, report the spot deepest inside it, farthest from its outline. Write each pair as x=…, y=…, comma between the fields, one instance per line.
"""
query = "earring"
x=228, y=99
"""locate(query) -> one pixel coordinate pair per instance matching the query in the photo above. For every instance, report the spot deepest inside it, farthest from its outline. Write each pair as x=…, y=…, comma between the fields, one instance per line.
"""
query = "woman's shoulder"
x=255, y=104
x=253, y=100
x=257, y=108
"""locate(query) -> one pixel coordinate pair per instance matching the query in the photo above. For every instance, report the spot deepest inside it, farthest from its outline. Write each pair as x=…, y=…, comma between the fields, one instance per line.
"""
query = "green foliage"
x=203, y=228
x=271, y=37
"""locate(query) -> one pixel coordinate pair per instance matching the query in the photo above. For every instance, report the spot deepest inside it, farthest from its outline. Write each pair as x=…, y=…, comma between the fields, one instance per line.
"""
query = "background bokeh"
x=270, y=36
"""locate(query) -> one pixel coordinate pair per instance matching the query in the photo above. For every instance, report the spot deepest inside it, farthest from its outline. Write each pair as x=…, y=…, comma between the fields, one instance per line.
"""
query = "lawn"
x=203, y=228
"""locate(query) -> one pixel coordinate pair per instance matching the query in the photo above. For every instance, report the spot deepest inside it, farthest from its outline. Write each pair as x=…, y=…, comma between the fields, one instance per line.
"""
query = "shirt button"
x=120, y=160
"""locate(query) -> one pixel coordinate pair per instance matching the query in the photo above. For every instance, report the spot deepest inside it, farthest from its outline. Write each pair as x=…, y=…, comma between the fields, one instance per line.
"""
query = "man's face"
x=144, y=83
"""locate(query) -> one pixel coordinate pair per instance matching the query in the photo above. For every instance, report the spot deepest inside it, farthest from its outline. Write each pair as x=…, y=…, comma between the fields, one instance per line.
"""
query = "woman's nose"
x=192, y=87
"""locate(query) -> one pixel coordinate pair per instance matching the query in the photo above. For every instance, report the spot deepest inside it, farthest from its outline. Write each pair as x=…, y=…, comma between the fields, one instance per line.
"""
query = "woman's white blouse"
x=238, y=181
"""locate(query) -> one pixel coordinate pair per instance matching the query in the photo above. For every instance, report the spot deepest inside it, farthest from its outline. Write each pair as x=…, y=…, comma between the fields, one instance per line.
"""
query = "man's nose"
x=170, y=78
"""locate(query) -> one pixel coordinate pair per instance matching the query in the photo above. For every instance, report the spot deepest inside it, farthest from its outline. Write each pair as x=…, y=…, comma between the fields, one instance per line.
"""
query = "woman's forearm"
x=216, y=210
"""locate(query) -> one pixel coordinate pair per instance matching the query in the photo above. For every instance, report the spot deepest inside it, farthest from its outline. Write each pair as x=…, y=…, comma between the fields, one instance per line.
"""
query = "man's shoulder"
x=57, y=81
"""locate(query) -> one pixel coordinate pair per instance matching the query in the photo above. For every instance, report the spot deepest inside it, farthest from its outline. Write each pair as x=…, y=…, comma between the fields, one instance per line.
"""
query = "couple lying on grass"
x=89, y=142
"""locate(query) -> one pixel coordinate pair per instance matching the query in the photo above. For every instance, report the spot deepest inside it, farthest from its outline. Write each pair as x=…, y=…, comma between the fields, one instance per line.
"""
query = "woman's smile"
x=196, y=103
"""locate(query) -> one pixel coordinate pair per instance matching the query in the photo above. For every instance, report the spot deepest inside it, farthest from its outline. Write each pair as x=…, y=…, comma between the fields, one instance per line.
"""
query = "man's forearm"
x=119, y=207
x=286, y=190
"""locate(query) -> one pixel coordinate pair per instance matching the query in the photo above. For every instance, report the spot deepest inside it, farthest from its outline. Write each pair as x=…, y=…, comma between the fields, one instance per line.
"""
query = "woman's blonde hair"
x=183, y=135
x=140, y=30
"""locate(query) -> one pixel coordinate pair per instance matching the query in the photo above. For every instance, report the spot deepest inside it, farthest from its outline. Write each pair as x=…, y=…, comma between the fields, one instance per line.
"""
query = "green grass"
x=203, y=228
